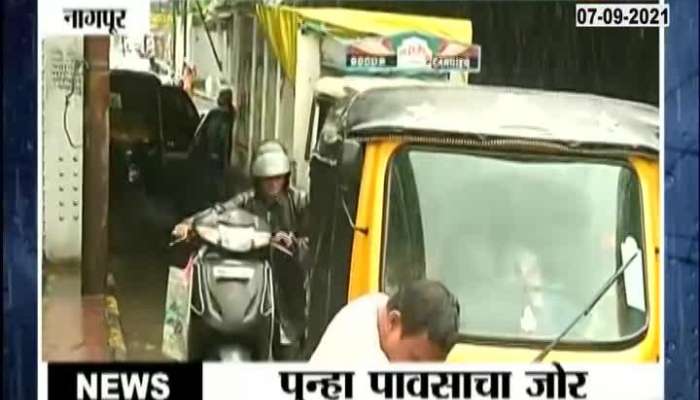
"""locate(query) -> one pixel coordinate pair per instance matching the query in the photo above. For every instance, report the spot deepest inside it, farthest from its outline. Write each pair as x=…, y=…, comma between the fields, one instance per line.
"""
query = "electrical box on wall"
x=63, y=70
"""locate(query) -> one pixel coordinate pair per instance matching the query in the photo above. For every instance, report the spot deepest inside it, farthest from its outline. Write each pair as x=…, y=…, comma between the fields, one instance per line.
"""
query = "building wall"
x=201, y=53
x=195, y=48
x=308, y=70
x=241, y=80
x=63, y=152
x=264, y=97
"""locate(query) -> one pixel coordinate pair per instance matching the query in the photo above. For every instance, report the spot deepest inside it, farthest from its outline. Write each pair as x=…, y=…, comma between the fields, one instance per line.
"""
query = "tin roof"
x=407, y=105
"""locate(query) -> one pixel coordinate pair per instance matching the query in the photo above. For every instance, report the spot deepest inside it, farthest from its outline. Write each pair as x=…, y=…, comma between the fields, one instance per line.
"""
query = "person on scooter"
x=284, y=207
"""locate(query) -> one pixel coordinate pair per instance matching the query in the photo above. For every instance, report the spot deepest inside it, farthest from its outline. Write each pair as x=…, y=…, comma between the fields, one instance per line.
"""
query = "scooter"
x=232, y=311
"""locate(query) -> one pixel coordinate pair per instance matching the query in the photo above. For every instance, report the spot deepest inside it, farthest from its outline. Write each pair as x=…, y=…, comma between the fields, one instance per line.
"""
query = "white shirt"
x=353, y=334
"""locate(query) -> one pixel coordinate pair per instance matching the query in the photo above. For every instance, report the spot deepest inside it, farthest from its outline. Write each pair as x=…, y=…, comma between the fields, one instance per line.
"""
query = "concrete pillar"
x=95, y=166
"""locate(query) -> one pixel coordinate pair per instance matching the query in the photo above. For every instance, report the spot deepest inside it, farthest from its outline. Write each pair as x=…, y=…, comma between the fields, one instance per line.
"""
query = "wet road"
x=140, y=268
x=141, y=281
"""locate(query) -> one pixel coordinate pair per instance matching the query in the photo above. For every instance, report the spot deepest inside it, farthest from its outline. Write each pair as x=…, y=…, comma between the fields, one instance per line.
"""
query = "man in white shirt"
x=419, y=323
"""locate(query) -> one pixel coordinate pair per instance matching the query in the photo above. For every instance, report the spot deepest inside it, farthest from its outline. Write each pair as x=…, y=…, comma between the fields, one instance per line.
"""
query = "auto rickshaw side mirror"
x=349, y=172
x=350, y=163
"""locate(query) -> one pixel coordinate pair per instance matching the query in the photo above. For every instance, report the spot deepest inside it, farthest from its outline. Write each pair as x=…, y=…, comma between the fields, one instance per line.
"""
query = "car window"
x=133, y=111
x=180, y=118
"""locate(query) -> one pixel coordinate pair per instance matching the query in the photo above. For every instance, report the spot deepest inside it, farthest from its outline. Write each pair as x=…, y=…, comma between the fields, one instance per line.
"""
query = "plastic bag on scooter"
x=177, y=312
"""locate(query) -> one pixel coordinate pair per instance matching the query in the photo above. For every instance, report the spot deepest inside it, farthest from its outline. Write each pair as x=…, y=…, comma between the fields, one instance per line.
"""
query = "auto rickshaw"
x=524, y=203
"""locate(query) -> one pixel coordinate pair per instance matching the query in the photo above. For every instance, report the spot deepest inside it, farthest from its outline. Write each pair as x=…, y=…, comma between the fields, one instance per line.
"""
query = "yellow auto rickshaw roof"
x=436, y=109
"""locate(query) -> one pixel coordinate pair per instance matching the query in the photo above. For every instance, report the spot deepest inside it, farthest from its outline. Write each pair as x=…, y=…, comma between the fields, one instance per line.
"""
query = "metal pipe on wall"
x=253, y=67
x=237, y=50
x=263, y=108
x=184, y=29
x=174, y=46
x=235, y=82
x=278, y=99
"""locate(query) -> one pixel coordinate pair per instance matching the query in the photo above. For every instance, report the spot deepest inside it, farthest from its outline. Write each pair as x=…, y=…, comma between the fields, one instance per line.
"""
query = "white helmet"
x=269, y=146
x=271, y=163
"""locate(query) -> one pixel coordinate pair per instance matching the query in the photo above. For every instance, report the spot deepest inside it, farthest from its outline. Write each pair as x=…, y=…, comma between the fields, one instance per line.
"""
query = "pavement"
x=126, y=323
x=74, y=327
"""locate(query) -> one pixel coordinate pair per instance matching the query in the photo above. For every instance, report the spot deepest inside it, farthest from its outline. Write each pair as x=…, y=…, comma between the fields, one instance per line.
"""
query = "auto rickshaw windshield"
x=525, y=243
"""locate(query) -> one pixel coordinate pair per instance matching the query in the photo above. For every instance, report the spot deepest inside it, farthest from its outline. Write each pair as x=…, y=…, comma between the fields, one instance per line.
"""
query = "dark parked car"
x=151, y=127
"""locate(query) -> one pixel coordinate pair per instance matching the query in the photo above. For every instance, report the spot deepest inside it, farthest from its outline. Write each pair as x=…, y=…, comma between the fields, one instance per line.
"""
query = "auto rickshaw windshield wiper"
x=586, y=310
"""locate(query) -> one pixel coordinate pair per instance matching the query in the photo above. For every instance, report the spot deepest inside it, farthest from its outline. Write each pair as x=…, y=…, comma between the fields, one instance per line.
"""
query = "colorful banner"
x=408, y=53
x=281, y=23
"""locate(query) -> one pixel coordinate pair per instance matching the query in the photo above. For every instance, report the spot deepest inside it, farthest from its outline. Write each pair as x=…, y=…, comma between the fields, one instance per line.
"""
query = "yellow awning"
x=280, y=24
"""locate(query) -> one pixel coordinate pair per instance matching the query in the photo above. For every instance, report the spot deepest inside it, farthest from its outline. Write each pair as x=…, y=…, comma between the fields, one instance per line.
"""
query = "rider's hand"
x=182, y=230
x=284, y=242
x=285, y=239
